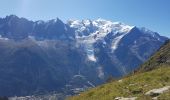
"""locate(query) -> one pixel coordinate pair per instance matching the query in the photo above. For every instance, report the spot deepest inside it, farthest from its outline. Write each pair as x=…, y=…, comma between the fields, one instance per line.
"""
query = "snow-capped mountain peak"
x=88, y=32
x=87, y=22
x=100, y=25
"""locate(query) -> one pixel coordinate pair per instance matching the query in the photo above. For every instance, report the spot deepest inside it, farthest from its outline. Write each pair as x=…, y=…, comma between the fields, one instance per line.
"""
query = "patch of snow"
x=135, y=42
x=40, y=22
x=75, y=76
x=92, y=58
x=86, y=22
x=55, y=20
x=109, y=26
x=78, y=90
x=3, y=38
x=75, y=23
x=31, y=37
x=90, y=83
x=68, y=85
x=116, y=41
x=100, y=72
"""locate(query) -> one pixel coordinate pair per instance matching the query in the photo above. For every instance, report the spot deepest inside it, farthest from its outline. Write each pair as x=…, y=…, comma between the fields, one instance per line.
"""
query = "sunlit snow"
x=101, y=28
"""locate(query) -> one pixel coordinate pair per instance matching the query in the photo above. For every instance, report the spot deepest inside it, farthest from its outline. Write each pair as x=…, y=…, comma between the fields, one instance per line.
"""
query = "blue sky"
x=153, y=14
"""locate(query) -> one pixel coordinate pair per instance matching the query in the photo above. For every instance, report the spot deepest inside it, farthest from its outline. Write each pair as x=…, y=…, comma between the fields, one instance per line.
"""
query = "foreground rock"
x=122, y=98
x=157, y=92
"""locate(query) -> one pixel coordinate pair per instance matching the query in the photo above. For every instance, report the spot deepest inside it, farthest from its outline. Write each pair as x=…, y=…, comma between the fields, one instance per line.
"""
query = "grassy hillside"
x=134, y=86
x=153, y=74
x=162, y=57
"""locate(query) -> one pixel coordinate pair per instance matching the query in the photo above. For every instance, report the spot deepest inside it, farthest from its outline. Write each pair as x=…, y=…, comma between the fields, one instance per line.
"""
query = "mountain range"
x=46, y=56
